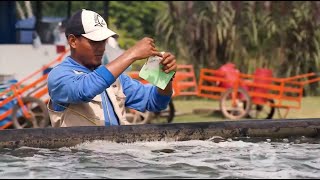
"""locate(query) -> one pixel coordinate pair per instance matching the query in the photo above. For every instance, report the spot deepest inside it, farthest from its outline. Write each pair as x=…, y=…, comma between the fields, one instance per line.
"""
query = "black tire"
x=137, y=117
x=39, y=114
x=268, y=113
x=168, y=113
x=172, y=112
x=243, y=105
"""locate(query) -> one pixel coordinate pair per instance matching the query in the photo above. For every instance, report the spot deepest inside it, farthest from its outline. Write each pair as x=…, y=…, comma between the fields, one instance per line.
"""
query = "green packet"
x=152, y=72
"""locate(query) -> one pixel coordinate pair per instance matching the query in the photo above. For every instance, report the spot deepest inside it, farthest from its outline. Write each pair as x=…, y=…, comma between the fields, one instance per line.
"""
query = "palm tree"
x=301, y=36
x=201, y=33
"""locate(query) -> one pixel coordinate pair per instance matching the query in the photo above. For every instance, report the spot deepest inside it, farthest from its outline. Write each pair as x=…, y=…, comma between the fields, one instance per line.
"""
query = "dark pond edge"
x=71, y=136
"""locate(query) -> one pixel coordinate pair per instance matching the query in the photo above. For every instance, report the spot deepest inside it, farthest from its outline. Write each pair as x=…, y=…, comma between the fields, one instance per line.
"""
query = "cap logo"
x=99, y=20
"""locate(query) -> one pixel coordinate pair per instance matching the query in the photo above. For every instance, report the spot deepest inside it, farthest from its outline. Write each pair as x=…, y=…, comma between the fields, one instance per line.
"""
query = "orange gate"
x=253, y=95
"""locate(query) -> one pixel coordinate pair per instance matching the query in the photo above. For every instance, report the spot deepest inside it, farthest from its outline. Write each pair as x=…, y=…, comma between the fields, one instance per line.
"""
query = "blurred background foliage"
x=281, y=35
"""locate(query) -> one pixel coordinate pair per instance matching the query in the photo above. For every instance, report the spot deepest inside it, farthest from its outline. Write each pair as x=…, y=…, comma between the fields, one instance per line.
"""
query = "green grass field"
x=185, y=110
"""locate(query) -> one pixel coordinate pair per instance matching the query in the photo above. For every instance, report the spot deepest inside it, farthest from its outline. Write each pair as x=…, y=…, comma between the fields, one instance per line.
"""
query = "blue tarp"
x=8, y=105
x=25, y=36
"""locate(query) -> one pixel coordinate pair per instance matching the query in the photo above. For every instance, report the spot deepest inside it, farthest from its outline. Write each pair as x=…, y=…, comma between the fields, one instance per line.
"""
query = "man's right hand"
x=143, y=49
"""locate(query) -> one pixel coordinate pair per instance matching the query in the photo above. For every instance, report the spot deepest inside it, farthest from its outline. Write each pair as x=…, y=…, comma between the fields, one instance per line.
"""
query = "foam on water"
x=186, y=159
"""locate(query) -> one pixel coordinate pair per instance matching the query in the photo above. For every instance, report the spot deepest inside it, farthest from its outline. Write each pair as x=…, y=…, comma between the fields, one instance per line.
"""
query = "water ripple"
x=188, y=159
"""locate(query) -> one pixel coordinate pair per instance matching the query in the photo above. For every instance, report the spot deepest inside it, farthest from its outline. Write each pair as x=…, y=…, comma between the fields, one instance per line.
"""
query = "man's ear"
x=72, y=40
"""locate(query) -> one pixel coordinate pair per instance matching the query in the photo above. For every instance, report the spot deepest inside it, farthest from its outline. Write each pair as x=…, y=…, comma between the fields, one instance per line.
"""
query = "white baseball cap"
x=88, y=24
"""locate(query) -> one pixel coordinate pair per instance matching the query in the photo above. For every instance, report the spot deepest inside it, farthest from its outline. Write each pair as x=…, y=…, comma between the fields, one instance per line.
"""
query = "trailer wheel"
x=39, y=114
x=241, y=107
x=165, y=116
x=137, y=117
x=168, y=113
x=259, y=111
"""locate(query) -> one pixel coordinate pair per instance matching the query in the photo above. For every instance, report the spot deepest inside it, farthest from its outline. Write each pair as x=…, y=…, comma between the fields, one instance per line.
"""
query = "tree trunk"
x=38, y=13
x=29, y=9
x=106, y=11
x=69, y=7
x=20, y=11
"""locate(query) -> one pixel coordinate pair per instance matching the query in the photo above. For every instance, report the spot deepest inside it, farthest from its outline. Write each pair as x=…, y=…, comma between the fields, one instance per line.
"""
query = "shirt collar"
x=75, y=65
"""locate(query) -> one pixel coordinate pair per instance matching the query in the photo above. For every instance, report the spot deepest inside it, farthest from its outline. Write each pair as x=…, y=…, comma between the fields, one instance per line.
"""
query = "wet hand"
x=169, y=62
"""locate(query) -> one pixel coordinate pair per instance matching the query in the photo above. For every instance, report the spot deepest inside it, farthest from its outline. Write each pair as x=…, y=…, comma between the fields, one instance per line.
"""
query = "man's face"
x=89, y=53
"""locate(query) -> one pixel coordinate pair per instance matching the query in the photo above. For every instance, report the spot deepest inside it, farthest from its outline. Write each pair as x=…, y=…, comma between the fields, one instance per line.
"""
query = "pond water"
x=185, y=159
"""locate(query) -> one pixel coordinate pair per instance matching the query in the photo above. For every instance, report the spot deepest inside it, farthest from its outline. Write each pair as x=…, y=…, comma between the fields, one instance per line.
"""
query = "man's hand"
x=169, y=62
x=143, y=49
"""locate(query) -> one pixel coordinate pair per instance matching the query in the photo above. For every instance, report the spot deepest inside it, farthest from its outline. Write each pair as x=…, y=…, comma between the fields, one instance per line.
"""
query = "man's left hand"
x=169, y=62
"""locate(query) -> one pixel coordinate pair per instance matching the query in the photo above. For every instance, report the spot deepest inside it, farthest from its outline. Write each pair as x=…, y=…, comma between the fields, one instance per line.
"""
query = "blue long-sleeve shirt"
x=67, y=86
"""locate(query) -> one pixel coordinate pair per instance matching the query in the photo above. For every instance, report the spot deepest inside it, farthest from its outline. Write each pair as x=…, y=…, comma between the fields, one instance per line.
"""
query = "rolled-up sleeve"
x=143, y=97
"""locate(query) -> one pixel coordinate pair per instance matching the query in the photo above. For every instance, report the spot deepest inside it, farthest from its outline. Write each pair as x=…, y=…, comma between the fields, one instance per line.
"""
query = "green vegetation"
x=281, y=35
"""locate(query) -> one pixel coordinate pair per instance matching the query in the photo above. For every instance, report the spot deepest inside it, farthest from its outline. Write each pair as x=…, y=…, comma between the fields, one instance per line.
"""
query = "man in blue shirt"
x=83, y=92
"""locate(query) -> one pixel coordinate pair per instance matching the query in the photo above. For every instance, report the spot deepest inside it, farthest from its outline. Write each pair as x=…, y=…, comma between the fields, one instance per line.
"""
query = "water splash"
x=165, y=159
